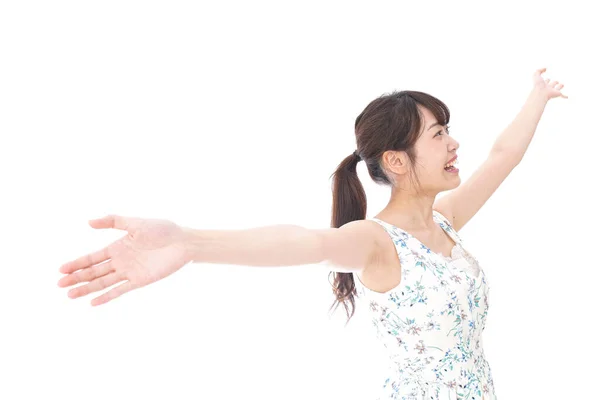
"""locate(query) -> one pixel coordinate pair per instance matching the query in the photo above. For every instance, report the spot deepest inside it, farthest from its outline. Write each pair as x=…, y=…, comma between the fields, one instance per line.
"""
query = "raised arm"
x=154, y=249
x=460, y=205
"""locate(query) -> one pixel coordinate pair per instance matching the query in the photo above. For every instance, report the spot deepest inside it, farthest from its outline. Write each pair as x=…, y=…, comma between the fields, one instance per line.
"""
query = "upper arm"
x=351, y=247
x=461, y=204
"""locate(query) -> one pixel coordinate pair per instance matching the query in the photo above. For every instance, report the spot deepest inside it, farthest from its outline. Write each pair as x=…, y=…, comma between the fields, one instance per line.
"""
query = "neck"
x=410, y=210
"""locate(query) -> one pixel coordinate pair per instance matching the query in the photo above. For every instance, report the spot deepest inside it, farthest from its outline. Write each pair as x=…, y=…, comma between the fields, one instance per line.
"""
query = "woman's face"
x=434, y=149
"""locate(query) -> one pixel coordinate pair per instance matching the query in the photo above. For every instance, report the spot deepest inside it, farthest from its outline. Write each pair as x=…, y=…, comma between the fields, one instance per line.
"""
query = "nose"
x=454, y=145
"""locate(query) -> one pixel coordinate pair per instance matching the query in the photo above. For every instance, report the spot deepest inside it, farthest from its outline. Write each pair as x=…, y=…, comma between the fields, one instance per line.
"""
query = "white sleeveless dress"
x=431, y=323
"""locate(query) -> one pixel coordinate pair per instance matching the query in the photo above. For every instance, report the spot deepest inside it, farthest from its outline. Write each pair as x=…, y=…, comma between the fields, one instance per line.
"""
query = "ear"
x=396, y=161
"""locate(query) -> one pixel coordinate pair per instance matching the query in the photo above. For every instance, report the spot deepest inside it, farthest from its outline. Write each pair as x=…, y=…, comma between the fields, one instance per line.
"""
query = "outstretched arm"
x=154, y=249
x=344, y=249
x=507, y=152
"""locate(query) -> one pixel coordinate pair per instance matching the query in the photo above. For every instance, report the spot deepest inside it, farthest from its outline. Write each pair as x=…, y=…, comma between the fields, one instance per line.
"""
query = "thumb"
x=110, y=221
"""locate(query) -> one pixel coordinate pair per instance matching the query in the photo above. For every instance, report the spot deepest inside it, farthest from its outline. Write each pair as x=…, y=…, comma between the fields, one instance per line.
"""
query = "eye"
x=442, y=131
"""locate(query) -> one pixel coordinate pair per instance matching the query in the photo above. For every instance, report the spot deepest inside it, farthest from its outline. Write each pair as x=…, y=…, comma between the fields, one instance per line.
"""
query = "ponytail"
x=349, y=204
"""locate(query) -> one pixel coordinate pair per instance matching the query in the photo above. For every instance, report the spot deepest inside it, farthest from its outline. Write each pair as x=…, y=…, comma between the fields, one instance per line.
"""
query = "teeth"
x=450, y=164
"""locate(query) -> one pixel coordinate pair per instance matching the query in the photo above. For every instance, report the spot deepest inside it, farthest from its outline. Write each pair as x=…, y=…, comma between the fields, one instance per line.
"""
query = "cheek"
x=433, y=167
x=426, y=168
x=430, y=160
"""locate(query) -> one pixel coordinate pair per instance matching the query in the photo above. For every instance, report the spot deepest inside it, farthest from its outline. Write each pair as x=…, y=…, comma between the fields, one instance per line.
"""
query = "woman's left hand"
x=550, y=89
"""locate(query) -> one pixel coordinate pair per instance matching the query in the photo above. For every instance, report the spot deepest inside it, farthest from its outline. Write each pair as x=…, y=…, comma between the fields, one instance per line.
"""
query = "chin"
x=453, y=183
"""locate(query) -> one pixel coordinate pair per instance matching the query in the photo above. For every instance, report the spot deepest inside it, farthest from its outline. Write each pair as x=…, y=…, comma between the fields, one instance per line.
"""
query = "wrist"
x=539, y=94
x=190, y=244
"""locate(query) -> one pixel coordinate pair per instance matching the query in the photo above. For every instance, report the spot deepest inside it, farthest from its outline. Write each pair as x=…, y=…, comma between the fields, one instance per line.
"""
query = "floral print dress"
x=431, y=323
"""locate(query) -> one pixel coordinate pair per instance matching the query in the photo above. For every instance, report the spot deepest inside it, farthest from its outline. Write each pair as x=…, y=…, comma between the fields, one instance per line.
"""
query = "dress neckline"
x=447, y=258
x=454, y=253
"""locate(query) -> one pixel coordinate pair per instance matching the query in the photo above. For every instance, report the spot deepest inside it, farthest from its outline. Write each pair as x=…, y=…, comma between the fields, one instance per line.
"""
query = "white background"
x=234, y=116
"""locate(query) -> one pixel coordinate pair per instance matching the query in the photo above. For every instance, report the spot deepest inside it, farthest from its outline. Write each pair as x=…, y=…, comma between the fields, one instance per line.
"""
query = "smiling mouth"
x=451, y=166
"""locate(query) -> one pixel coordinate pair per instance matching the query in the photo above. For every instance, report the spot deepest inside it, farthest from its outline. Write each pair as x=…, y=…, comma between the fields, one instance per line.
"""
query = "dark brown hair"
x=390, y=122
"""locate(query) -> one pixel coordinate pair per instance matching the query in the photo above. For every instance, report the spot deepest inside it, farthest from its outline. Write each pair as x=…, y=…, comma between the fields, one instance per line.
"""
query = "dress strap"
x=399, y=237
x=445, y=224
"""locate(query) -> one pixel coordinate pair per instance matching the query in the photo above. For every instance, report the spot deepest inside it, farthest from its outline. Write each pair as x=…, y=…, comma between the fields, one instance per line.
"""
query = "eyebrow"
x=434, y=124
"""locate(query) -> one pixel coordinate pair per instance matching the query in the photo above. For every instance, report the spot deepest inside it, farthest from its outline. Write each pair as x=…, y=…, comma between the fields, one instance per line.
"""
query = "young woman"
x=426, y=294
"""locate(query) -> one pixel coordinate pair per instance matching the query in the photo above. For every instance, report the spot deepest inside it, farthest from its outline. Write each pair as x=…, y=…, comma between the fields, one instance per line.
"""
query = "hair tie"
x=357, y=155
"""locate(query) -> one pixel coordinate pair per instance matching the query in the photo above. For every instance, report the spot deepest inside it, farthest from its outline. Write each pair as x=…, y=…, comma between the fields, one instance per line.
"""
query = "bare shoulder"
x=369, y=228
x=383, y=243
x=383, y=272
x=354, y=246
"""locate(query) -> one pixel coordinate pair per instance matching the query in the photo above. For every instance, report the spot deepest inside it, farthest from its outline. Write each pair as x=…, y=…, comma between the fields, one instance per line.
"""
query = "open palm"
x=551, y=89
x=152, y=250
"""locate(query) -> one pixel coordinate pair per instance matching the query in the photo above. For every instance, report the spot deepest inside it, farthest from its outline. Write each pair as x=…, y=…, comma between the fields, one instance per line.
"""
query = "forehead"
x=428, y=119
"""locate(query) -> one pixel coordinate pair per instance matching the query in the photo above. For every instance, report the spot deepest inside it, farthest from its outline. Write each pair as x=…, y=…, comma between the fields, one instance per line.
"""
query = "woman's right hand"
x=152, y=250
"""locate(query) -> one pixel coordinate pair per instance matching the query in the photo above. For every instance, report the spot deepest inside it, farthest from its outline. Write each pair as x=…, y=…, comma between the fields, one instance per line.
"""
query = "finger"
x=540, y=71
x=546, y=80
x=112, y=222
x=86, y=275
x=113, y=293
x=553, y=83
x=97, y=284
x=560, y=86
x=85, y=261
